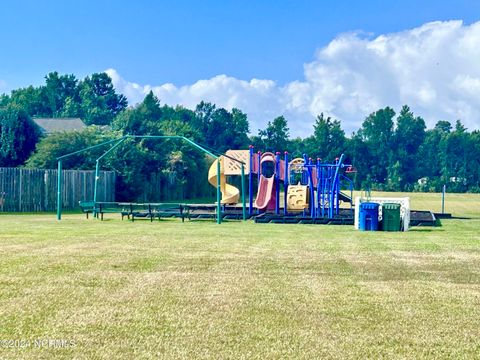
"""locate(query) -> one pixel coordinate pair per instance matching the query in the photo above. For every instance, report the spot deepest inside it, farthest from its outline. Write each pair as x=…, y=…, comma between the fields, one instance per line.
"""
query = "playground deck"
x=234, y=212
x=345, y=216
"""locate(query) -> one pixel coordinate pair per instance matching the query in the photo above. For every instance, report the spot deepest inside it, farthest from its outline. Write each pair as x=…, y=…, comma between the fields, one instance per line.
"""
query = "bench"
x=101, y=208
x=87, y=207
x=158, y=210
x=135, y=210
x=111, y=208
x=170, y=210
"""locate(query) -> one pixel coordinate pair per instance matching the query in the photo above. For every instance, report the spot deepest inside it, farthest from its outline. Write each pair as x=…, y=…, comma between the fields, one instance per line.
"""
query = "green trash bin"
x=391, y=220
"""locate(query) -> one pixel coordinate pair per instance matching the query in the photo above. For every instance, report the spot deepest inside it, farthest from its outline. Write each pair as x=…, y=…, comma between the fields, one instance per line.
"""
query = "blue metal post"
x=277, y=183
x=259, y=153
x=285, y=184
x=320, y=188
x=319, y=185
x=250, y=182
x=244, y=212
x=337, y=176
x=329, y=189
x=311, y=188
x=259, y=162
x=304, y=178
x=335, y=187
x=324, y=189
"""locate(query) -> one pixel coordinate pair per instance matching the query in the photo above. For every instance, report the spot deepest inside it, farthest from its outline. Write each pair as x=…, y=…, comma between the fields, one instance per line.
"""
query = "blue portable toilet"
x=368, y=220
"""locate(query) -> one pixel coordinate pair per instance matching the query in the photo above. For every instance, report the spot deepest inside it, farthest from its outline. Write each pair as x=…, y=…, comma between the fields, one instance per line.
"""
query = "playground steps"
x=423, y=218
x=344, y=197
x=443, y=215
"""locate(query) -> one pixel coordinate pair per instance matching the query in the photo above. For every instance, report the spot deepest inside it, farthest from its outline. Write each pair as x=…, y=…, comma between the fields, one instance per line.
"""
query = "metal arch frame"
x=118, y=142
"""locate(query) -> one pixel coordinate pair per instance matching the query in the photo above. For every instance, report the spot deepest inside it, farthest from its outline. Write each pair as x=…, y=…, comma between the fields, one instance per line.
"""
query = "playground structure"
x=311, y=192
x=311, y=189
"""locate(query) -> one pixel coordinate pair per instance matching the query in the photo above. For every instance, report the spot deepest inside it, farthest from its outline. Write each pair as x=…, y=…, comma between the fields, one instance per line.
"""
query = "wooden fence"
x=30, y=190
x=162, y=187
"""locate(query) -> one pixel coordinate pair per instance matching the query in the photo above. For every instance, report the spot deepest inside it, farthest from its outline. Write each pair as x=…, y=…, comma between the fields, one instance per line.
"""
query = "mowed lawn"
x=116, y=289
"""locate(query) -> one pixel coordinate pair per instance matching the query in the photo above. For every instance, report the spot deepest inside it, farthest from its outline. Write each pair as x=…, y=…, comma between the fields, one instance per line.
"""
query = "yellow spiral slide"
x=230, y=194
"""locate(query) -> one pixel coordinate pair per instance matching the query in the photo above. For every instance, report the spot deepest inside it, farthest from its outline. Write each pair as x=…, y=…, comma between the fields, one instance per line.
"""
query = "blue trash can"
x=368, y=220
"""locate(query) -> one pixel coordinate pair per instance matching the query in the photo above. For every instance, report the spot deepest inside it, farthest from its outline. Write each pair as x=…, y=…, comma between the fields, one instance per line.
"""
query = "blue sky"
x=153, y=43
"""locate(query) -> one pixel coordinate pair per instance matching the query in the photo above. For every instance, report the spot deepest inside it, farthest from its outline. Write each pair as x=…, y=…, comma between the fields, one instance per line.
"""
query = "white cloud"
x=433, y=68
x=3, y=85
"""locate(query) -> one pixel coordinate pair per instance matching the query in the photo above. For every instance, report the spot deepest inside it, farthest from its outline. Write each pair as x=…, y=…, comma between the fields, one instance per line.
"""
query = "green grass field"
x=144, y=290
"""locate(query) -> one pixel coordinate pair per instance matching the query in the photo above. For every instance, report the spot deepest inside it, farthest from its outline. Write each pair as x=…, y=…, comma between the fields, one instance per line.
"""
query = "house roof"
x=51, y=125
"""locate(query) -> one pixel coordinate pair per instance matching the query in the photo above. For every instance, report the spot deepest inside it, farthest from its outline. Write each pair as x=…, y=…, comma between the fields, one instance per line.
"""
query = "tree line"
x=390, y=151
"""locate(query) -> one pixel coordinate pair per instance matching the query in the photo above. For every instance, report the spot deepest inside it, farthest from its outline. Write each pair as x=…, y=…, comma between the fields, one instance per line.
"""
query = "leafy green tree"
x=143, y=119
x=395, y=177
x=218, y=134
x=18, y=135
x=455, y=154
x=61, y=143
x=221, y=129
x=57, y=89
x=150, y=107
x=430, y=160
x=239, y=130
x=128, y=160
x=377, y=133
x=130, y=122
x=257, y=142
x=4, y=100
x=99, y=101
x=361, y=157
x=171, y=158
x=203, y=118
x=94, y=99
x=409, y=136
x=71, y=108
x=276, y=135
x=443, y=126
x=30, y=99
x=297, y=147
x=329, y=138
x=474, y=162
x=179, y=113
x=183, y=161
x=450, y=158
x=213, y=123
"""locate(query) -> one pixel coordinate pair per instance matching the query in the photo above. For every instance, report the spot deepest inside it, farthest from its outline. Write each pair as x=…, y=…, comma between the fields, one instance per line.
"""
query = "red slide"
x=266, y=194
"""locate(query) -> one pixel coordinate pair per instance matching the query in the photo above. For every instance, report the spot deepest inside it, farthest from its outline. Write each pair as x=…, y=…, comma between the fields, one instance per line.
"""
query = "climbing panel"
x=233, y=167
x=297, y=198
